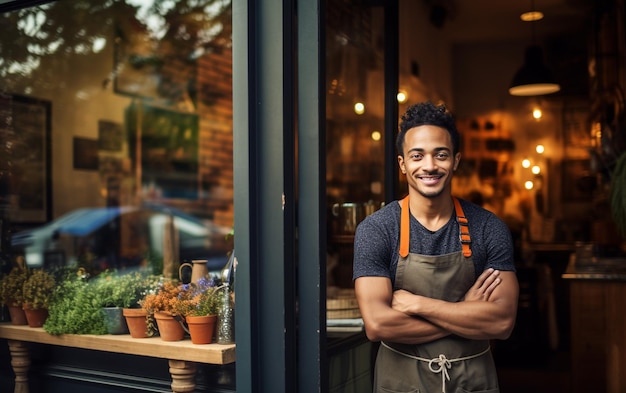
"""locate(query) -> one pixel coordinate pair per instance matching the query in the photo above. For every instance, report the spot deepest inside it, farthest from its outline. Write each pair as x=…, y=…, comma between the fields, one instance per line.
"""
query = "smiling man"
x=434, y=275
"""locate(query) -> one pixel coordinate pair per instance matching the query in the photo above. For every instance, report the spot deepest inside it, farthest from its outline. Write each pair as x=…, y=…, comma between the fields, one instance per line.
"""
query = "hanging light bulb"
x=533, y=78
x=359, y=108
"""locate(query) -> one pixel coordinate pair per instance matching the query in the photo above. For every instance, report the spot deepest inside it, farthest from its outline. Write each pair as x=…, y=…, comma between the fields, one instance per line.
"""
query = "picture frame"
x=30, y=159
x=85, y=154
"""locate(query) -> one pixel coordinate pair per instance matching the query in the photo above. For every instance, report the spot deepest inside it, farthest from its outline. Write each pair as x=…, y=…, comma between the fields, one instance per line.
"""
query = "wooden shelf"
x=124, y=343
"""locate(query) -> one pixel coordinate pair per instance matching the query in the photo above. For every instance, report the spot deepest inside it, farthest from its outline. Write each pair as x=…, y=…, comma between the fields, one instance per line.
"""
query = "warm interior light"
x=529, y=185
x=537, y=113
x=531, y=16
x=536, y=169
x=359, y=108
x=540, y=149
x=402, y=96
x=533, y=78
x=376, y=135
x=526, y=163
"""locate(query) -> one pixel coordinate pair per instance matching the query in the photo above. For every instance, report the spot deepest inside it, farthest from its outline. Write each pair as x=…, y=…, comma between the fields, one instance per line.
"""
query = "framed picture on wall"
x=85, y=154
x=29, y=158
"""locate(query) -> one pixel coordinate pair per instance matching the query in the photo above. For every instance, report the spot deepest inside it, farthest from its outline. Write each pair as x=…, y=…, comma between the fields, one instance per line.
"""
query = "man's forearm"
x=477, y=320
x=403, y=328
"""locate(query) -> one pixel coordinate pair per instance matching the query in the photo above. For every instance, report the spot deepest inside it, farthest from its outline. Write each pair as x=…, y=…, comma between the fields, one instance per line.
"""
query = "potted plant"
x=37, y=291
x=75, y=307
x=11, y=293
x=201, y=316
x=116, y=292
x=167, y=304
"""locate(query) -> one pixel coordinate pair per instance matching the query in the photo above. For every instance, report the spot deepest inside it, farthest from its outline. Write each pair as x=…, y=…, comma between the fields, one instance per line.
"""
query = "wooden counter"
x=182, y=355
x=597, y=293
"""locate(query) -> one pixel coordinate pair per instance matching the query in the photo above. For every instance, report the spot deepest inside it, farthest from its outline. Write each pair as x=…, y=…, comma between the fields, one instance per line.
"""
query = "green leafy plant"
x=38, y=289
x=75, y=307
x=12, y=286
x=122, y=290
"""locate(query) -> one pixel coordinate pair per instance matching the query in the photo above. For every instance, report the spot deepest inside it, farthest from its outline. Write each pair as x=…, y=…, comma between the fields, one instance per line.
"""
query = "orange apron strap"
x=464, y=234
x=405, y=227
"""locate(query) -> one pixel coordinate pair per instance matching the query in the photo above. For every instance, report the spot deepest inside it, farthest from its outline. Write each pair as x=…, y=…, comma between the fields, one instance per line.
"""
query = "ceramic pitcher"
x=198, y=268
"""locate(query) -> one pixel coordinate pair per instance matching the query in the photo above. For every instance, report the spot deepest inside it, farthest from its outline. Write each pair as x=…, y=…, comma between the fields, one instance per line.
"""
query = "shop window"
x=134, y=132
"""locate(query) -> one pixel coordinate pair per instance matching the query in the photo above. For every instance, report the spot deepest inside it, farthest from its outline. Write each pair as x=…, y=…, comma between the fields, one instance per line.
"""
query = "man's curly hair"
x=427, y=113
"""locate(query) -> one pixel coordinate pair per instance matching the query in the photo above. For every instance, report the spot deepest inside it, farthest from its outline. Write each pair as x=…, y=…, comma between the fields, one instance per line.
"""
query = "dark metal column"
x=263, y=82
x=312, y=366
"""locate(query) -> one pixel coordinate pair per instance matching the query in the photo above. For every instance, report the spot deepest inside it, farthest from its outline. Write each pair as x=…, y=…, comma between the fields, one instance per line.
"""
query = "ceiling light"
x=534, y=78
x=531, y=16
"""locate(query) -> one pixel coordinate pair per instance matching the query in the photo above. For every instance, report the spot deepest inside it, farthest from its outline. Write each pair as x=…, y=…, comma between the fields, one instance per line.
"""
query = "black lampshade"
x=534, y=78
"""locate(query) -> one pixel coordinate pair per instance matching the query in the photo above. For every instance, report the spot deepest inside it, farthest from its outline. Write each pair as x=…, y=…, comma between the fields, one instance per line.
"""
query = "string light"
x=402, y=96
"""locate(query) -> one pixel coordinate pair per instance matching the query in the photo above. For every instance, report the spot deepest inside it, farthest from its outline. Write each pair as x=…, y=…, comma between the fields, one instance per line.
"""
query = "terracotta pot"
x=136, y=319
x=201, y=328
x=18, y=316
x=35, y=318
x=169, y=328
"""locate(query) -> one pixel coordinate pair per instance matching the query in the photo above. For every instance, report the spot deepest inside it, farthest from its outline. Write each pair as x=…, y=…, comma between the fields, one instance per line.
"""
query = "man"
x=434, y=275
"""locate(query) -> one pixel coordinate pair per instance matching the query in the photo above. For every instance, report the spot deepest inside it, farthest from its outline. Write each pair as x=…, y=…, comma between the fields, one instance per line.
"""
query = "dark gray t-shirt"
x=377, y=241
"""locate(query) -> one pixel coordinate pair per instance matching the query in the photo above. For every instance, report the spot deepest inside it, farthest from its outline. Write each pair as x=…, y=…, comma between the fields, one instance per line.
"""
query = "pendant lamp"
x=533, y=78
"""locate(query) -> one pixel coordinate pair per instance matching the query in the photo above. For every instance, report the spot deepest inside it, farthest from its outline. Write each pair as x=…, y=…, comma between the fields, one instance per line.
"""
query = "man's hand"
x=484, y=286
x=406, y=302
x=403, y=300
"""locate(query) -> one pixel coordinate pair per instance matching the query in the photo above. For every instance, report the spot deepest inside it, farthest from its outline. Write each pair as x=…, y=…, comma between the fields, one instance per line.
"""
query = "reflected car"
x=122, y=237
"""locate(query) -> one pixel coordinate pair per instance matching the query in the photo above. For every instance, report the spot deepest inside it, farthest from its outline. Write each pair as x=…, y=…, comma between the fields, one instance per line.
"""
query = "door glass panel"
x=354, y=125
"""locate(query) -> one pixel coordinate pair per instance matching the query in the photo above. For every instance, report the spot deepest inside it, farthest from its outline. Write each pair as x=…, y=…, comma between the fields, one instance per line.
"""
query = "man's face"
x=428, y=160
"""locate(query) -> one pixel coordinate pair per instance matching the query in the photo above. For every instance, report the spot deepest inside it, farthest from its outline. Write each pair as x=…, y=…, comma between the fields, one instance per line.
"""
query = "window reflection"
x=136, y=147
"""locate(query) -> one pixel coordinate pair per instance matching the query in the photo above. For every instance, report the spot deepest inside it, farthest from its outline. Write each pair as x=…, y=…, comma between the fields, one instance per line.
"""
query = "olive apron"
x=450, y=364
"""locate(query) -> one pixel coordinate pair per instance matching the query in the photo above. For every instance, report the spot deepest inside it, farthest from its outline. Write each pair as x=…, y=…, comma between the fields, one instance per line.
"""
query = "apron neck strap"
x=464, y=234
x=460, y=218
x=404, y=227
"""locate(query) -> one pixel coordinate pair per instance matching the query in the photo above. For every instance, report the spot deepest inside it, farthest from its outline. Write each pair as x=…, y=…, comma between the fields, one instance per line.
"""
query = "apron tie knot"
x=443, y=365
x=442, y=362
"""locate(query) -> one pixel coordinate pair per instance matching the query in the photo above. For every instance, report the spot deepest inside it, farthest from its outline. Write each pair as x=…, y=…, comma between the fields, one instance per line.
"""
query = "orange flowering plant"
x=175, y=298
x=168, y=297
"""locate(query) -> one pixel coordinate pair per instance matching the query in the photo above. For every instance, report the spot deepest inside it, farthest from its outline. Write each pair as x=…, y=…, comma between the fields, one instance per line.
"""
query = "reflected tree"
x=164, y=38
